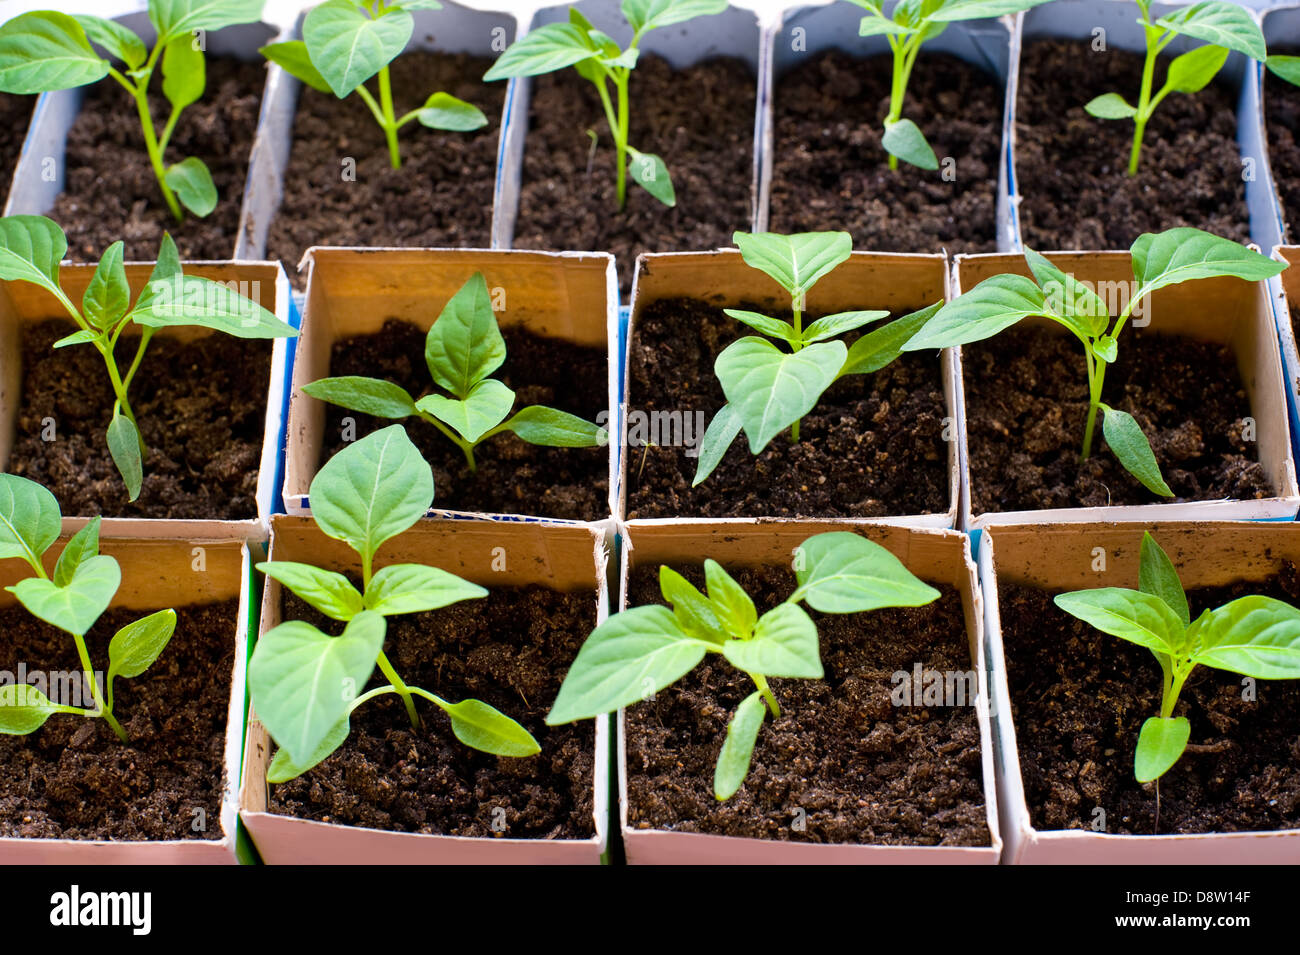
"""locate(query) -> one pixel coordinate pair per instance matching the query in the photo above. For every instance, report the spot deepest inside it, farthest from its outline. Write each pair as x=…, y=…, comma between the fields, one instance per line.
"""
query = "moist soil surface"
x=872, y=446
x=510, y=650
x=1282, y=112
x=201, y=408
x=513, y=477
x=442, y=195
x=862, y=769
x=830, y=171
x=1072, y=168
x=1079, y=698
x=1027, y=407
x=74, y=779
x=15, y=115
x=700, y=120
x=111, y=192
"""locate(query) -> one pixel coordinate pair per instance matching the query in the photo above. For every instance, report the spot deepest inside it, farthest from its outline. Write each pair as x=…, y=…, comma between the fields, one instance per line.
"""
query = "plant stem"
x=1144, y=98
x=466, y=448
x=390, y=118
x=141, y=94
x=615, y=126
x=1096, y=376
x=760, y=681
x=401, y=688
x=88, y=674
x=621, y=82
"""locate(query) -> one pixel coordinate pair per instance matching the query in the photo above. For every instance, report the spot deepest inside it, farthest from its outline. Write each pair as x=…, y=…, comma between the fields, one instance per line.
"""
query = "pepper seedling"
x=599, y=60
x=306, y=684
x=1159, y=259
x=47, y=50
x=769, y=389
x=910, y=25
x=637, y=653
x=463, y=347
x=1223, y=26
x=31, y=248
x=1253, y=636
x=72, y=598
x=347, y=42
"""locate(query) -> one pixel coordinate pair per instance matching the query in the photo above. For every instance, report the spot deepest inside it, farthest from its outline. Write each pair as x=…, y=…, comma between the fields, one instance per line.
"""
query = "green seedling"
x=910, y=25
x=306, y=684
x=347, y=42
x=598, y=59
x=771, y=382
x=637, y=653
x=1223, y=26
x=47, y=50
x=31, y=248
x=72, y=598
x=463, y=347
x=1167, y=258
x=1255, y=637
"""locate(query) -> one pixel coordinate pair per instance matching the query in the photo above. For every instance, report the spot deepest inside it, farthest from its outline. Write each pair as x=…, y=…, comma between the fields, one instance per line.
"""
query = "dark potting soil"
x=1282, y=119
x=111, y=192
x=15, y=115
x=442, y=195
x=1027, y=405
x=201, y=407
x=513, y=477
x=862, y=769
x=873, y=445
x=830, y=171
x=1072, y=169
x=74, y=779
x=1079, y=698
x=510, y=650
x=700, y=120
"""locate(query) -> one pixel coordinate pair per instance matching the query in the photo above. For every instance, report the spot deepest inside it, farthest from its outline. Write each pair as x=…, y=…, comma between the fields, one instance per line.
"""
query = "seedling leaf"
x=738, y=749
x=1131, y=447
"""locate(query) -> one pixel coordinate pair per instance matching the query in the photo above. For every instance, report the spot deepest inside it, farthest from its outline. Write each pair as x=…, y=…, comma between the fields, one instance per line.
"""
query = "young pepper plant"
x=911, y=24
x=599, y=60
x=769, y=388
x=72, y=598
x=31, y=248
x=1254, y=636
x=637, y=653
x=1159, y=260
x=306, y=684
x=463, y=347
x=347, y=42
x=1222, y=25
x=47, y=50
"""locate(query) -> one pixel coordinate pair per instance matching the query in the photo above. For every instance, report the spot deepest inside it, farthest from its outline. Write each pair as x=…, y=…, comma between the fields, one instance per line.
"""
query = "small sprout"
x=346, y=42
x=1255, y=637
x=463, y=347
x=306, y=684
x=643, y=650
x=1167, y=258
x=1223, y=26
x=73, y=598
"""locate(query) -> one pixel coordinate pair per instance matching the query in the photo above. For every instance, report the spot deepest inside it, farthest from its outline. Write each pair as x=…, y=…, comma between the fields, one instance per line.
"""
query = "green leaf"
x=193, y=185
x=46, y=51
x=1254, y=636
x=329, y=592
x=167, y=266
x=372, y=490
x=1109, y=106
x=464, y=345
x=415, y=588
x=646, y=15
x=905, y=140
x=174, y=18
x=1068, y=299
x=876, y=349
x=544, y=50
x=769, y=389
x=649, y=171
x=292, y=57
x=797, y=261
x=416, y=4
x=550, y=428
x=1131, y=615
x=23, y=709
x=839, y=323
x=734, y=607
x=75, y=606
x=348, y=47
x=841, y=572
x=485, y=728
x=444, y=111
x=108, y=295
x=1221, y=23
x=1182, y=254
x=134, y=648
x=372, y=396
x=115, y=38
x=627, y=658
x=124, y=448
x=1106, y=348
x=485, y=407
x=993, y=305
x=1130, y=446
x=696, y=615
x=184, y=74
x=1160, y=743
x=31, y=248
x=771, y=327
x=29, y=519
x=303, y=681
x=283, y=769
x=1285, y=67
x=877, y=26
x=738, y=748
x=82, y=546
x=82, y=337
x=1192, y=71
x=1157, y=576
x=722, y=430
x=784, y=644
x=980, y=9
x=190, y=300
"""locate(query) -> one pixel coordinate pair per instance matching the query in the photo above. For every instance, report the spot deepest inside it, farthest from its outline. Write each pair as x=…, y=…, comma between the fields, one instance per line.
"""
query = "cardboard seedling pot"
x=1268, y=226
x=561, y=557
x=571, y=296
x=155, y=574
x=23, y=304
x=1283, y=290
x=1059, y=558
x=875, y=280
x=1225, y=311
x=937, y=556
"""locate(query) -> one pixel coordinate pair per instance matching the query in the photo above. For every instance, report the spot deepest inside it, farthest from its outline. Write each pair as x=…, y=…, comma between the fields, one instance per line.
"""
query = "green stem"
x=621, y=82
x=1170, y=699
x=1096, y=377
x=88, y=673
x=145, y=336
x=466, y=448
x=390, y=118
x=370, y=695
x=141, y=95
x=615, y=125
x=399, y=687
x=760, y=681
x=1144, y=107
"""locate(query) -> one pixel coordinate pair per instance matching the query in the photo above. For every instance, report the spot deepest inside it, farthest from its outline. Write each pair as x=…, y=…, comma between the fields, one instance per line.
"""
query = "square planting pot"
x=23, y=304
x=937, y=556
x=560, y=557
x=568, y=296
x=1225, y=311
x=1285, y=289
x=880, y=280
x=1063, y=557
x=161, y=573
